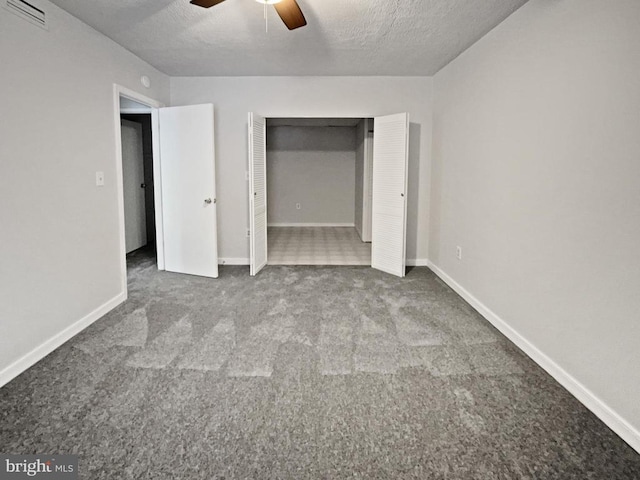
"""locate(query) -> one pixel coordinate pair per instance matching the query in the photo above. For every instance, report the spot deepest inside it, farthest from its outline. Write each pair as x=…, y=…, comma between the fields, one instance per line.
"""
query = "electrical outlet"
x=459, y=252
x=298, y=206
x=248, y=232
x=100, y=179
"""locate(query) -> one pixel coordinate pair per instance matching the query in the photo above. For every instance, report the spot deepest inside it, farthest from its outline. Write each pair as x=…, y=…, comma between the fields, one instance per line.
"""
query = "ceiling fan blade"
x=206, y=3
x=290, y=14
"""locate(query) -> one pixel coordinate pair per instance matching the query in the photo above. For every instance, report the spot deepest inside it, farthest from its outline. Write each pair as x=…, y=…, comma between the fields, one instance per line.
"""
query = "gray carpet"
x=302, y=372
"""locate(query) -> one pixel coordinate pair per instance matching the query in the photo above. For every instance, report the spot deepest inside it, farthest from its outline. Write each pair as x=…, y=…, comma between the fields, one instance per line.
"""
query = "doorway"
x=388, y=193
x=138, y=183
x=183, y=179
x=129, y=102
x=315, y=169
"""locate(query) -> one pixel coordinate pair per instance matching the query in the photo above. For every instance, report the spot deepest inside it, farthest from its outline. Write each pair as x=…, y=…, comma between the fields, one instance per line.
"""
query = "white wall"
x=355, y=97
x=59, y=237
x=361, y=135
x=536, y=174
x=312, y=166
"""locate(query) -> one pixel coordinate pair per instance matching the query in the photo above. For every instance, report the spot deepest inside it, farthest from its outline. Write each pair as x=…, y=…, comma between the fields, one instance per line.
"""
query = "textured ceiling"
x=343, y=37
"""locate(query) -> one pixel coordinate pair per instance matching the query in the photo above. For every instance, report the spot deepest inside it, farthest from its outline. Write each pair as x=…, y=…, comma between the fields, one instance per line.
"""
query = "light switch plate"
x=100, y=179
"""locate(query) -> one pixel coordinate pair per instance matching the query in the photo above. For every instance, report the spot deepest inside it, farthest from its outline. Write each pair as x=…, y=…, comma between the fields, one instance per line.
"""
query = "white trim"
x=417, y=262
x=157, y=187
x=312, y=225
x=44, y=349
x=234, y=261
x=135, y=111
x=585, y=396
x=136, y=97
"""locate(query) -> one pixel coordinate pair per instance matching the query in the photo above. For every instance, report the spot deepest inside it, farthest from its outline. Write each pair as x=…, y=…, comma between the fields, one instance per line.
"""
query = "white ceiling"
x=343, y=37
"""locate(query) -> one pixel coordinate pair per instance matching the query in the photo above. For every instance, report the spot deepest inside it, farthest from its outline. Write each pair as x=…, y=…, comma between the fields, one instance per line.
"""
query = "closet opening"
x=320, y=162
x=318, y=191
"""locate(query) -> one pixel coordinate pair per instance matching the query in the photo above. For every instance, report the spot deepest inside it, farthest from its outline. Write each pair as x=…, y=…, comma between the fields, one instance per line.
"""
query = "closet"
x=322, y=188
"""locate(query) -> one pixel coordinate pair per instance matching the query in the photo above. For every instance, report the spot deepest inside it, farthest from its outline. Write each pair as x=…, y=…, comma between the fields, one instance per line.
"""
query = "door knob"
x=402, y=194
x=207, y=201
x=143, y=185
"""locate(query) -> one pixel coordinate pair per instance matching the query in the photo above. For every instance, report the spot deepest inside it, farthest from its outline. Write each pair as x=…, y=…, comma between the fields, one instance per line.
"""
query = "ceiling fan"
x=289, y=10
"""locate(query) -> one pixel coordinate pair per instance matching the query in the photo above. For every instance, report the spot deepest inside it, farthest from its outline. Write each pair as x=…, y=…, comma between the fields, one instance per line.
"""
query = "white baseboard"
x=604, y=412
x=417, y=262
x=34, y=356
x=233, y=261
x=311, y=225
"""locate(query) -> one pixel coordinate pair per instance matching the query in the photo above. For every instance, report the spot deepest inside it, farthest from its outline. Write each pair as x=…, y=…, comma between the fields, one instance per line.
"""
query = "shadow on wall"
x=311, y=139
x=413, y=187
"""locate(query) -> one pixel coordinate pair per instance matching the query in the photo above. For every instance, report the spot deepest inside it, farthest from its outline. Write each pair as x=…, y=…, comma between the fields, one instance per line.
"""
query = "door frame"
x=154, y=105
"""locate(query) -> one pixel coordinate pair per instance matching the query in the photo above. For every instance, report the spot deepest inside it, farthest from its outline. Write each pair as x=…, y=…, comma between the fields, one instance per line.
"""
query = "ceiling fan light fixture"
x=288, y=10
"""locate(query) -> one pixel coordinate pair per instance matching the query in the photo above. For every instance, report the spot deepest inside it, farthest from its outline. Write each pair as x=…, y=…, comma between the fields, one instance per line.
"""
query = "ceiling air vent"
x=27, y=11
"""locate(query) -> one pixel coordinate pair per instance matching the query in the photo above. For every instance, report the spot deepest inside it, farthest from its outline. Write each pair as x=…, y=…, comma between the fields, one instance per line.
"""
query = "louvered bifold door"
x=258, y=192
x=390, y=161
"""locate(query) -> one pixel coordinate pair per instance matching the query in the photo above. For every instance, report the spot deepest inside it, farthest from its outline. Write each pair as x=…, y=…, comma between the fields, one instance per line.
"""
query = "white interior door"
x=257, y=192
x=135, y=218
x=187, y=164
x=389, y=223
